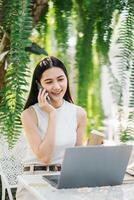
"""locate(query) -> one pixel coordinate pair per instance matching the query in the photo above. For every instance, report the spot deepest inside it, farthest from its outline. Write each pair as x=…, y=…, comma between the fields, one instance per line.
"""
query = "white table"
x=43, y=191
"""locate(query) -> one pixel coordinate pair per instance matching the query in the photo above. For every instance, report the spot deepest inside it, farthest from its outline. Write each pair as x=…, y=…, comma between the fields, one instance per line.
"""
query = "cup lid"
x=97, y=133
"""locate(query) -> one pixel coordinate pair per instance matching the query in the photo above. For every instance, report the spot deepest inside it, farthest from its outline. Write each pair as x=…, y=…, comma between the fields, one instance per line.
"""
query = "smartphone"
x=40, y=87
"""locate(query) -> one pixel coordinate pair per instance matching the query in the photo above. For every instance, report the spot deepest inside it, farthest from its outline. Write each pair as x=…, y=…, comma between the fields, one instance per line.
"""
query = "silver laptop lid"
x=94, y=166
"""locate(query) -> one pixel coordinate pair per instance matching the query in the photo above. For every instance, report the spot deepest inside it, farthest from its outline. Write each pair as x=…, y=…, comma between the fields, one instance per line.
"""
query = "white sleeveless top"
x=66, y=125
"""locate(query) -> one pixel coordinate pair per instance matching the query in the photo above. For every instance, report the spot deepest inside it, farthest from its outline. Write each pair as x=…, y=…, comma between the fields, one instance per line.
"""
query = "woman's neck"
x=58, y=104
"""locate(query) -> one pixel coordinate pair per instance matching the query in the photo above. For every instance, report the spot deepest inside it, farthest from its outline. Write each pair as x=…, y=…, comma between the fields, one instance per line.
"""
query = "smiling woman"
x=54, y=82
x=50, y=120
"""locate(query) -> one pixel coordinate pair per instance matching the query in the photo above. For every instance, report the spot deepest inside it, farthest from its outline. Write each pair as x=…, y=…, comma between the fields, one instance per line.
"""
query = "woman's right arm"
x=42, y=148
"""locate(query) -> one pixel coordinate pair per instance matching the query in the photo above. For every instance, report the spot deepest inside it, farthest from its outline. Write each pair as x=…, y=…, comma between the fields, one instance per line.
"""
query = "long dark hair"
x=42, y=66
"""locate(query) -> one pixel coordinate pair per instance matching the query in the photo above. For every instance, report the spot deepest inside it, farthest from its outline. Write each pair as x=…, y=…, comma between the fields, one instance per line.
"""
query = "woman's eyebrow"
x=49, y=79
x=61, y=76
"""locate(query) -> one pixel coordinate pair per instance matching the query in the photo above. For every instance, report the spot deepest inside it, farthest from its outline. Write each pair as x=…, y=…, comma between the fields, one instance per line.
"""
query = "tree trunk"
x=37, y=9
x=4, y=47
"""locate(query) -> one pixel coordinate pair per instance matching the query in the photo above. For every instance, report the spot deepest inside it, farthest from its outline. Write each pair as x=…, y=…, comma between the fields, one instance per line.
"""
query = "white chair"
x=10, y=168
x=10, y=165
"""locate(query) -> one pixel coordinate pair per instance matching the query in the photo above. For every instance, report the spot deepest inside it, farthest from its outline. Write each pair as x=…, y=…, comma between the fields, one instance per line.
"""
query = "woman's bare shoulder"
x=29, y=113
x=81, y=113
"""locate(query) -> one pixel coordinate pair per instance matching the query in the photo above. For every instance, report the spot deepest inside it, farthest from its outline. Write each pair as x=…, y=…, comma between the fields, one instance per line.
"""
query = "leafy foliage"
x=122, y=85
x=62, y=14
x=94, y=33
x=13, y=92
x=130, y=127
x=91, y=24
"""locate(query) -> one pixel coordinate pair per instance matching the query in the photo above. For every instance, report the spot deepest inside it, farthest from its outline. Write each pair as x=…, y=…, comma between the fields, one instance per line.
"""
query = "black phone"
x=40, y=87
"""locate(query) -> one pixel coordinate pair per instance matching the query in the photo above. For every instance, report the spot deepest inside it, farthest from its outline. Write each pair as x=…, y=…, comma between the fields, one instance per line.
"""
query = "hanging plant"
x=122, y=84
x=62, y=14
x=19, y=26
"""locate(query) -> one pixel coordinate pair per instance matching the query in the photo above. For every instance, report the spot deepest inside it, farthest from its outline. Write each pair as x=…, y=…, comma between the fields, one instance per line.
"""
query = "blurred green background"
x=81, y=34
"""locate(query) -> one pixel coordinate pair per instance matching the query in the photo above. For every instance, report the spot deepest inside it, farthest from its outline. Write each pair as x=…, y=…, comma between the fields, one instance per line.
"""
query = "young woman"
x=50, y=120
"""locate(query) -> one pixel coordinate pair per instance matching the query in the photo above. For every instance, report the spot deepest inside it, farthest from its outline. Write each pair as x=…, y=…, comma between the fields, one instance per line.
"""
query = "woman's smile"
x=56, y=93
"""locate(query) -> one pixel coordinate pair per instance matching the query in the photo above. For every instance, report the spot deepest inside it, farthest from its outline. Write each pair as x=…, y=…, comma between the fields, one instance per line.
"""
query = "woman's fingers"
x=39, y=95
x=43, y=102
x=42, y=96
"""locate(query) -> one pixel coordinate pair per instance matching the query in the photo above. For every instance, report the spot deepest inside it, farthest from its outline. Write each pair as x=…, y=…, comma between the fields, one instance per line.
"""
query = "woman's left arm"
x=81, y=125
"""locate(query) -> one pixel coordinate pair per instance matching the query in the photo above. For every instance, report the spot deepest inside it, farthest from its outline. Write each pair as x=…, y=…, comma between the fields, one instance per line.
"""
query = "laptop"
x=91, y=167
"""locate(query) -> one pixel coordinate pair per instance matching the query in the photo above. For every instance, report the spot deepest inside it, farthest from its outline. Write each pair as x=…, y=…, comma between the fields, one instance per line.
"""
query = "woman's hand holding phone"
x=44, y=101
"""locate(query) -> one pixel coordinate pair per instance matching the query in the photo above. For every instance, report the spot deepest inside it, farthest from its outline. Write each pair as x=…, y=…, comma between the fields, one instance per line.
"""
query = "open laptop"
x=92, y=166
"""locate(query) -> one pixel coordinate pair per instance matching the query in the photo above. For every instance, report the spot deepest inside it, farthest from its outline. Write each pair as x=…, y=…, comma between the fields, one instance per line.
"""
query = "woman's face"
x=55, y=82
